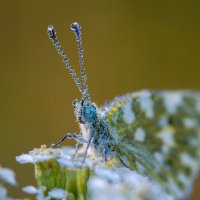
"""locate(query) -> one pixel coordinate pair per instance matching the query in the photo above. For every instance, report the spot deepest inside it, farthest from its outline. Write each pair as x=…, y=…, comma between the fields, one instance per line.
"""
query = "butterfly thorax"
x=93, y=126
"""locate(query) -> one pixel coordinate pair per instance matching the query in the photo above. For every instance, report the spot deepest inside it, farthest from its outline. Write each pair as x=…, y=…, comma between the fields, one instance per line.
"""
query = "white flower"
x=30, y=189
x=25, y=158
x=8, y=176
x=57, y=193
x=39, y=155
x=123, y=184
x=3, y=194
x=39, y=192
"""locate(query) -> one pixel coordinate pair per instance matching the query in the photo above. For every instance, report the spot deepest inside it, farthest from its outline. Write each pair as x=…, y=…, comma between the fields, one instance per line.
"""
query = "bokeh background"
x=129, y=45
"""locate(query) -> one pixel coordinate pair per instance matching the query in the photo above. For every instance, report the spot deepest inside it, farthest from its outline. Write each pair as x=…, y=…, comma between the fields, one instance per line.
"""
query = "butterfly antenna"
x=52, y=35
x=77, y=31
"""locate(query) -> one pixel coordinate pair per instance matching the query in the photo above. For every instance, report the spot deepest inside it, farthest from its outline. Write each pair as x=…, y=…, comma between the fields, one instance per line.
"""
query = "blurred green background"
x=129, y=45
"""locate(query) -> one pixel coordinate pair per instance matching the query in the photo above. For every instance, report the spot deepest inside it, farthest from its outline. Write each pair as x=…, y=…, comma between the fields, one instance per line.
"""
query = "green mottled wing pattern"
x=157, y=134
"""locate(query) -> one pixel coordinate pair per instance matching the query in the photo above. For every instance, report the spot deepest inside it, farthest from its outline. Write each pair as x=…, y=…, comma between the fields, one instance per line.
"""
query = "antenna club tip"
x=75, y=27
x=51, y=32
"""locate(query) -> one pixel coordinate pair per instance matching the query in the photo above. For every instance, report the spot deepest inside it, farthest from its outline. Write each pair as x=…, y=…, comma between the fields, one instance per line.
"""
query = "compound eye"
x=90, y=113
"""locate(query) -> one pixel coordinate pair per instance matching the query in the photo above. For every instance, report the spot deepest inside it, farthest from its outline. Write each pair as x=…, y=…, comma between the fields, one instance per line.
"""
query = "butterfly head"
x=85, y=111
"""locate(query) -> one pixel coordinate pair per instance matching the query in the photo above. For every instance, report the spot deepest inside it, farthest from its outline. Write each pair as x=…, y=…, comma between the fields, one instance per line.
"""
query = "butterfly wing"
x=157, y=134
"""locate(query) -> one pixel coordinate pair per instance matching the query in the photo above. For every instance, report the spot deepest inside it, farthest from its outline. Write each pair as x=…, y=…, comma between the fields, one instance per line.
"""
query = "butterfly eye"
x=90, y=113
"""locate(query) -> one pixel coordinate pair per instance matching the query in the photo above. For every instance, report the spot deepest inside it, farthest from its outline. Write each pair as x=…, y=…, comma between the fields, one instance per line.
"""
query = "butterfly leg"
x=70, y=136
x=123, y=163
x=78, y=144
x=106, y=146
x=87, y=147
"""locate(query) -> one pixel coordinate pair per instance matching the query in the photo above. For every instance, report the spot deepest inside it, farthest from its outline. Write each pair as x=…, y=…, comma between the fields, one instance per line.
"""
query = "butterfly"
x=155, y=133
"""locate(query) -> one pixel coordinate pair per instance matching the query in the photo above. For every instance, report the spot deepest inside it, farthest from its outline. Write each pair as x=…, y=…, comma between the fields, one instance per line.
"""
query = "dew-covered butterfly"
x=156, y=133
